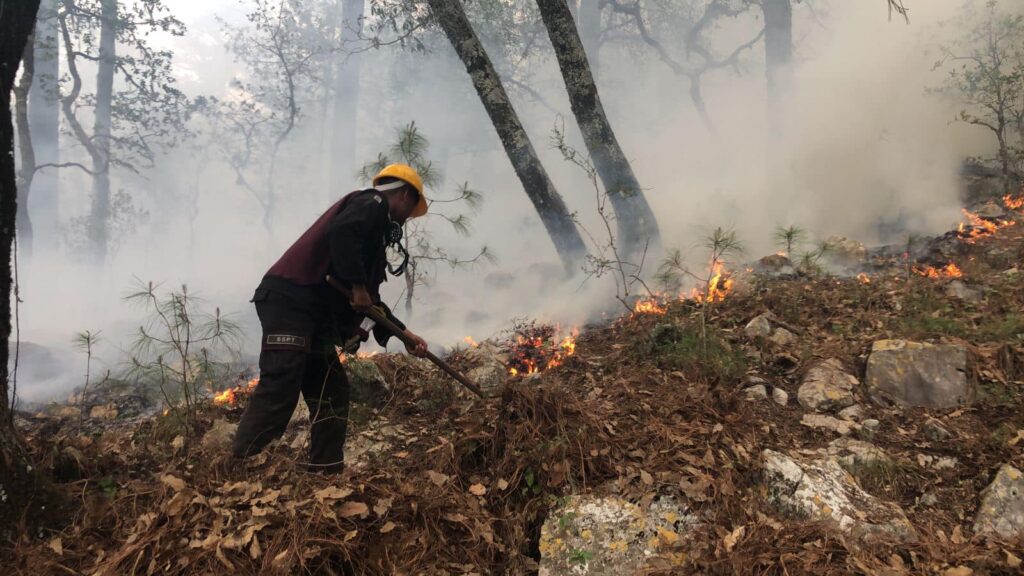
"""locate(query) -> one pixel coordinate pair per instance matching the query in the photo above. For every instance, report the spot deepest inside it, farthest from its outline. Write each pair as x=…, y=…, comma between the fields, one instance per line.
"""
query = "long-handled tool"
x=383, y=320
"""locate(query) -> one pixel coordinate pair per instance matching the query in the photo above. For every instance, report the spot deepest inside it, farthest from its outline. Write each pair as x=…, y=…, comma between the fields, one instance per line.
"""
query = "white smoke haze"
x=861, y=148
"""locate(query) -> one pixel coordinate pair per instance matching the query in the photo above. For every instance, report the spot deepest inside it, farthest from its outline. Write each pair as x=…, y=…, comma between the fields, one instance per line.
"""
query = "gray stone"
x=871, y=424
x=928, y=499
x=935, y=431
x=782, y=338
x=853, y=413
x=366, y=382
x=918, y=374
x=219, y=436
x=780, y=396
x=774, y=266
x=759, y=327
x=820, y=490
x=1002, y=505
x=490, y=377
x=990, y=210
x=825, y=422
x=758, y=392
x=856, y=455
x=611, y=537
x=846, y=252
x=958, y=289
x=827, y=386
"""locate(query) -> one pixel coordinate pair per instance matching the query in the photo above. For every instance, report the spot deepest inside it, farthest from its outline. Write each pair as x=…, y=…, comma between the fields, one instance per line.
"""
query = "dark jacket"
x=348, y=241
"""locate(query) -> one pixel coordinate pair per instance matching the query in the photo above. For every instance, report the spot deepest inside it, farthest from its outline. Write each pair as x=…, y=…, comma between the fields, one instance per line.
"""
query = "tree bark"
x=346, y=98
x=99, y=217
x=778, y=47
x=637, y=226
x=549, y=204
x=16, y=20
x=25, y=148
x=44, y=124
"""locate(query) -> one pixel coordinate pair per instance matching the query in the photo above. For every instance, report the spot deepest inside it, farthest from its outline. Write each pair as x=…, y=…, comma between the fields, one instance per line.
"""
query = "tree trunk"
x=100, y=217
x=590, y=32
x=549, y=204
x=346, y=98
x=16, y=20
x=778, y=47
x=25, y=148
x=44, y=123
x=637, y=227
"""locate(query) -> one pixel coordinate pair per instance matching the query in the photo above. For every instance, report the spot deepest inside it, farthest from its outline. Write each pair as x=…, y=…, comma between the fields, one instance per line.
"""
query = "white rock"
x=822, y=421
x=1002, y=505
x=827, y=386
x=611, y=536
x=759, y=327
x=780, y=396
x=758, y=392
x=820, y=490
x=853, y=413
x=219, y=436
x=856, y=455
x=918, y=374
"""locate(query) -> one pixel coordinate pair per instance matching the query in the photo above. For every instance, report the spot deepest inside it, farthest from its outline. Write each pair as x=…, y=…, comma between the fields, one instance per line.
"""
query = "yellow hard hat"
x=406, y=174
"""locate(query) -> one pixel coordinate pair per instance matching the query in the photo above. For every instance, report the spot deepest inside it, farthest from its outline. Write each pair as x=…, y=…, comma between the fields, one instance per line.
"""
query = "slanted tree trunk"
x=25, y=148
x=637, y=227
x=346, y=98
x=778, y=48
x=549, y=204
x=16, y=20
x=44, y=124
x=99, y=217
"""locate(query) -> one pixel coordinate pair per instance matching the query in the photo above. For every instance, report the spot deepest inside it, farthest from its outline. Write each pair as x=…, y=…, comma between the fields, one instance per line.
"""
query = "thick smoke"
x=858, y=148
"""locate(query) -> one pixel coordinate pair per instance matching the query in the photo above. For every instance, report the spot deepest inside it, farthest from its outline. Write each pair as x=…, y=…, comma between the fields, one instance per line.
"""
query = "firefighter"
x=303, y=319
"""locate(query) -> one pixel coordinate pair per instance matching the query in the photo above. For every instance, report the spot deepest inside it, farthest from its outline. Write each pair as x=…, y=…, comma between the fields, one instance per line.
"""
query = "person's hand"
x=361, y=300
x=415, y=345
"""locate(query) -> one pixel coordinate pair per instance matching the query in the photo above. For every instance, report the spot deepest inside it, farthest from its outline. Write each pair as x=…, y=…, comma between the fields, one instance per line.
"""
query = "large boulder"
x=820, y=490
x=1002, y=505
x=612, y=537
x=827, y=386
x=918, y=374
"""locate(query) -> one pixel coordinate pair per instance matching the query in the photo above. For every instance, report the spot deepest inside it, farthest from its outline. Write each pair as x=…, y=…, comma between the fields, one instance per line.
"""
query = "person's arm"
x=362, y=221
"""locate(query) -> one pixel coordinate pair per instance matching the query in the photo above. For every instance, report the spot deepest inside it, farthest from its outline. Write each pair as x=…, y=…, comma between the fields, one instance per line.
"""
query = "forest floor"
x=647, y=408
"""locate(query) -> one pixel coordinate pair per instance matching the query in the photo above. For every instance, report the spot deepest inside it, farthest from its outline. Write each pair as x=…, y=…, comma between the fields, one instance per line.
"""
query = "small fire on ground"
x=863, y=278
x=231, y=396
x=718, y=287
x=534, y=348
x=343, y=357
x=950, y=270
x=978, y=227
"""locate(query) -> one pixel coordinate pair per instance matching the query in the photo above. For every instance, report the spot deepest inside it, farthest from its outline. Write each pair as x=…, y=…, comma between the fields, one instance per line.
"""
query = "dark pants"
x=297, y=354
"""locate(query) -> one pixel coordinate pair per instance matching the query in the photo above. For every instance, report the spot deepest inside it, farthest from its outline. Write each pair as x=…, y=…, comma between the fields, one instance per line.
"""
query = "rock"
x=827, y=386
x=821, y=490
x=68, y=412
x=928, y=499
x=774, y=266
x=871, y=424
x=990, y=210
x=759, y=327
x=856, y=456
x=841, y=427
x=758, y=392
x=611, y=537
x=853, y=413
x=846, y=252
x=220, y=435
x=780, y=396
x=918, y=374
x=753, y=380
x=366, y=383
x=103, y=412
x=782, y=338
x=957, y=289
x=490, y=377
x=1002, y=505
x=935, y=431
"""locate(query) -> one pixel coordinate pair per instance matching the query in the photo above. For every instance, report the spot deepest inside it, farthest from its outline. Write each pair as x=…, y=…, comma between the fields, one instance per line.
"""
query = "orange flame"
x=648, y=306
x=718, y=287
x=343, y=357
x=231, y=396
x=980, y=227
x=470, y=342
x=1013, y=203
x=534, y=354
x=863, y=278
x=950, y=270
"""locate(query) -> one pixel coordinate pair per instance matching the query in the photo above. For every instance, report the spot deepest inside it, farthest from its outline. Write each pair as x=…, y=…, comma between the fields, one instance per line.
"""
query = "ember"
x=230, y=396
x=863, y=278
x=470, y=342
x=979, y=227
x=535, y=348
x=948, y=271
x=1013, y=202
x=343, y=357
